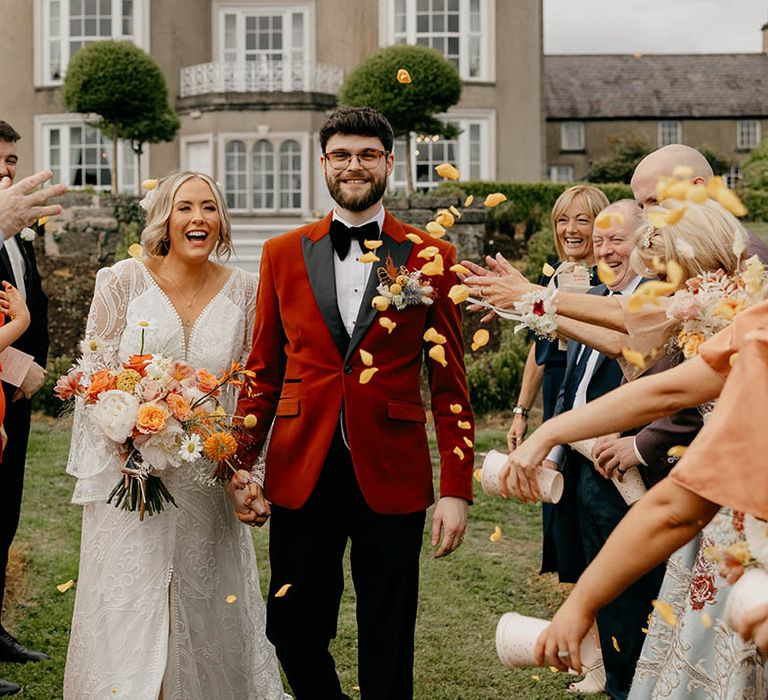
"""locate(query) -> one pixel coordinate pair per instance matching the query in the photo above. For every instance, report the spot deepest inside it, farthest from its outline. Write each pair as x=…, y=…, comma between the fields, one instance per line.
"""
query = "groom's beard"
x=377, y=186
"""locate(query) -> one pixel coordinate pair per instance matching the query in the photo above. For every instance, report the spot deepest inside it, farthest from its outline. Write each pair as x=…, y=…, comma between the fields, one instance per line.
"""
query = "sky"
x=653, y=26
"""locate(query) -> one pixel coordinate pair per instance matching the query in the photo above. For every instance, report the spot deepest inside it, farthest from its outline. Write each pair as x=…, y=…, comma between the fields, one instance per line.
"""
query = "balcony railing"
x=266, y=75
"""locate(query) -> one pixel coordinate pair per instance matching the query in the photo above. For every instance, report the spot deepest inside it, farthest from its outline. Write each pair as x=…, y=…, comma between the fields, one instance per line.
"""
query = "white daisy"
x=191, y=448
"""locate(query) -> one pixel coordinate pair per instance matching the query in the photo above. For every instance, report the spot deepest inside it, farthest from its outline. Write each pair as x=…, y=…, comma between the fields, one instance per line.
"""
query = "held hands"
x=614, y=454
x=754, y=625
x=248, y=499
x=559, y=645
x=449, y=520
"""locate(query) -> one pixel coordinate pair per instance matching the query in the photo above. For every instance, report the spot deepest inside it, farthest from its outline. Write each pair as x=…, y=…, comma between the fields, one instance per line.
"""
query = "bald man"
x=663, y=162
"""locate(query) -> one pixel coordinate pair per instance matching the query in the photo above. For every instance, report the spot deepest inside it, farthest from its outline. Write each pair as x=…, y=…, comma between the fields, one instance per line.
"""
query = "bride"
x=168, y=608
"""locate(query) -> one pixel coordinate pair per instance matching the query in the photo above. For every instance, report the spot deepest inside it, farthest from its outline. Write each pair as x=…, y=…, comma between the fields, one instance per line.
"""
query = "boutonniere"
x=401, y=288
x=27, y=234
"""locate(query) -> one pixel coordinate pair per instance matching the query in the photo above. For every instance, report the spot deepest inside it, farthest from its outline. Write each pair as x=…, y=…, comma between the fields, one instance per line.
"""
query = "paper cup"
x=631, y=487
x=549, y=481
x=516, y=637
x=750, y=591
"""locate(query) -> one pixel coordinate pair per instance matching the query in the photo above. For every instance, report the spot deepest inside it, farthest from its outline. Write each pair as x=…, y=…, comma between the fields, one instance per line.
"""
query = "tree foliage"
x=626, y=153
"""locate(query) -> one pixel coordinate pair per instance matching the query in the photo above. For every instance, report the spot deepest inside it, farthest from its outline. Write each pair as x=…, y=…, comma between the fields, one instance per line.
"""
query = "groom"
x=348, y=458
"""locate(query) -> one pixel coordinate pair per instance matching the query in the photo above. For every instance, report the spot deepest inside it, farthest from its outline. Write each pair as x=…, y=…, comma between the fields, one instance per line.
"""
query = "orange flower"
x=101, y=381
x=219, y=446
x=151, y=418
x=206, y=381
x=138, y=363
x=179, y=407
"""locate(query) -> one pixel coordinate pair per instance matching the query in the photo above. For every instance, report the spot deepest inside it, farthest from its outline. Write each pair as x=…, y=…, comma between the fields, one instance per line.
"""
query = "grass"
x=462, y=596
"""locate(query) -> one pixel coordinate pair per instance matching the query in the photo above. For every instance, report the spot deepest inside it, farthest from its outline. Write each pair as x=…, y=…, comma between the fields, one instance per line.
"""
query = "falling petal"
x=380, y=303
x=435, y=230
x=369, y=257
x=64, y=587
x=403, y=76
x=366, y=358
x=615, y=643
x=495, y=536
x=455, y=211
x=283, y=590
x=414, y=238
x=724, y=310
x=603, y=220
x=666, y=612
x=554, y=669
x=136, y=251
x=149, y=184
x=634, y=358
x=372, y=245
x=732, y=359
x=249, y=421
x=678, y=189
x=468, y=442
x=676, y=451
x=437, y=353
x=547, y=270
x=387, y=323
x=535, y=676
x=464, y=424
x=493, y=200
x=697, y=194
x=455, y=408
x=445, y=219
x=367, y=374
x=684, y=172
x=675, y=273
x=434, y=267
x=478, y=474
x=480, y=338
x=655, y=288
x=468, y=201
x=730, y=200
x=604, y=273
x=458, y=293
x=432, y=336
x=448, y=171
x=637, y=301
x=714, y=185
x=43, y=220
x=459, y=269
x=458, y=452
x=706, y=620
x=429, y=252
x=231, y=598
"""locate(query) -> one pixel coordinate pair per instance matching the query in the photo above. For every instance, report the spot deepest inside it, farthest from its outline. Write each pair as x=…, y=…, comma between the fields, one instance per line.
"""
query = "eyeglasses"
x=367, y=159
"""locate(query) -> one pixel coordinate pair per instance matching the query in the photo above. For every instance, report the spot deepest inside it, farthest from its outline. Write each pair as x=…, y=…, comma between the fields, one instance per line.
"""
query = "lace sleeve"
x=90, y=453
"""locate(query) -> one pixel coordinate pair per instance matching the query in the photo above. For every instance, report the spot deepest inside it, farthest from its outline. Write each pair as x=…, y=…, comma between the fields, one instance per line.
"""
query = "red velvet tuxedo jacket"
x=307, y=370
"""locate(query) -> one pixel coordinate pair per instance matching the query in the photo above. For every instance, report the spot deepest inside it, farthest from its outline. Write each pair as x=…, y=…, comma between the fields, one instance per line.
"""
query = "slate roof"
x=656, y=86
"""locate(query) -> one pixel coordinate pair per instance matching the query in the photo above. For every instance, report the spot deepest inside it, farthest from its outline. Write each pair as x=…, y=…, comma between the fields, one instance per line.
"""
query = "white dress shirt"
x=352, y=275
x=17, y=265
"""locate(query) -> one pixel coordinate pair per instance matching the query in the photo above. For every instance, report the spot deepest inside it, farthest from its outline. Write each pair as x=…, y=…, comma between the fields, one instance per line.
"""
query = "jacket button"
x=347, y=369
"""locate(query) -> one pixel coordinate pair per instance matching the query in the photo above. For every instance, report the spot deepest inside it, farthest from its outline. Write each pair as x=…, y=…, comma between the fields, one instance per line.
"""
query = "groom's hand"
x=450, y=521
x=247, y=496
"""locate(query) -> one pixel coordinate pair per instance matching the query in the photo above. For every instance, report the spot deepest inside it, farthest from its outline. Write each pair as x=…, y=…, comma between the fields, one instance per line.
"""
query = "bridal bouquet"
x=159, y=413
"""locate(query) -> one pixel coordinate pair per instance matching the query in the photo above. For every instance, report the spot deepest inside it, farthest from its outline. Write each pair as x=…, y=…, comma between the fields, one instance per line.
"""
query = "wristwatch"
x=519, y=410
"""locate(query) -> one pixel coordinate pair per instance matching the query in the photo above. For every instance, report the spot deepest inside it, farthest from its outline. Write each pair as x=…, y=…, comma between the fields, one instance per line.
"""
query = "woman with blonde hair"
x=169, y=607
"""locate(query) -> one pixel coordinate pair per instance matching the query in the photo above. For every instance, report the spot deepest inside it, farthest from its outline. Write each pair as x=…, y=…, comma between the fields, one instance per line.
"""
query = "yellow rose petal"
x=547, y=270
x=434, y=267
x=666, y=612
x=634, y=358
x=149, y=184
x=698, y=194
x=676, y=451
x=724, y=310
x=478, y=475
x=603, y=220
x=432, y=336
x=458, y=452
x=445, y=219
x=480, y=338
x=656, y=288
x=495, y=536
x=706, y=620
x=380, y=303
x=448, y=171
x=458, y=293
x=638, y=300
x=675, y=273
x=366, y=358
x=437, y=353
x=64, y=587
x=684, y=172
x=455, y=211
x=714, y=185
x=730, y=200
x=435, y=230
x=43, y=220
x=369, y=257
x=429, y=252
x=459, y=269
x=678, y=189
x=468, y=442
x=249, y=421
x=372, y=245
x=283, y=590
x=387, y=323
x=535, y=677
x=367, y=374
x=414, y=238
x=136, y=251
x=455, y=408
x=493, y=200
x=604, y=273
x=468, y=201
x=732, y=359
x=464, y=424
x=403, y=76
x=231, y=599
x=615, y=643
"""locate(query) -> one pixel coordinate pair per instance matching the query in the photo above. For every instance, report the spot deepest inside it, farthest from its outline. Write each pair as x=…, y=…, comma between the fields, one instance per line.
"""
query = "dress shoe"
x=8, y=688
x=12, y=651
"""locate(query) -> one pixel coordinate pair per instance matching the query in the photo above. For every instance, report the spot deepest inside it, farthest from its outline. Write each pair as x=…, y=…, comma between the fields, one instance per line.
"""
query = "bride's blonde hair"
x=155, y=237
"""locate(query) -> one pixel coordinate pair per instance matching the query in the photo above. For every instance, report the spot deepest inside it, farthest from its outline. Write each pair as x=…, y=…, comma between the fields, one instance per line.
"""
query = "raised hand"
x=22, y=204
x=501, y=285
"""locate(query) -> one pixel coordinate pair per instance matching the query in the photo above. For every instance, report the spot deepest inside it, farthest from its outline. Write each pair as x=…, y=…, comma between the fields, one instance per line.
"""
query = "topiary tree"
x=124, y=87
x=410, y=107
x=720, y=164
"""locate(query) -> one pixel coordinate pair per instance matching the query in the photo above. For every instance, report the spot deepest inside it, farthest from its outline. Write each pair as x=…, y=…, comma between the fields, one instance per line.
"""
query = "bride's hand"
x=248, y=499
x=501, y=286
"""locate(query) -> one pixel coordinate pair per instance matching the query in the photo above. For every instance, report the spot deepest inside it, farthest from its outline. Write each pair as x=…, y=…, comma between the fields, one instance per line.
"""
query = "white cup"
x=750, y=591
x=549, y=481
x=631, y=487
x=516, y=637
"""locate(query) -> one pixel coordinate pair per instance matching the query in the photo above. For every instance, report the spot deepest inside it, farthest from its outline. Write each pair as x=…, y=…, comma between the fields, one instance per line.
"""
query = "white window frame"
x=41, y=24
x=487, y=34
x=276, y=139
x=747, y=125
x=43, y=125
x=666, y=124
x=486, y=119
x=184, y=141
x=572, y=136
x=560, y=173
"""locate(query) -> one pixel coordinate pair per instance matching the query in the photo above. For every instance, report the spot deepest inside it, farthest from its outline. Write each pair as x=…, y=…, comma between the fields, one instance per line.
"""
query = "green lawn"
x=462, y=597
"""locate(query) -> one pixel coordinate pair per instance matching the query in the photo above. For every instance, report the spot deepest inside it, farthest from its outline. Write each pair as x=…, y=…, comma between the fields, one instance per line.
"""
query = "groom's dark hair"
x=358, y=121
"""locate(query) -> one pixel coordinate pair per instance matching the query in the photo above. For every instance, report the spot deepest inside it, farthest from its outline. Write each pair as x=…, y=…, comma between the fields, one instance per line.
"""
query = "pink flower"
x=150, y=390
x=182, y=375
x=69, y=385
x=685, y=306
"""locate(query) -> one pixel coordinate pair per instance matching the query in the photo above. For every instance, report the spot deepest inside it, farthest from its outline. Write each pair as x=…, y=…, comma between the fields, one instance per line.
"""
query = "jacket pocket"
x=288, y=407
x=400, y=410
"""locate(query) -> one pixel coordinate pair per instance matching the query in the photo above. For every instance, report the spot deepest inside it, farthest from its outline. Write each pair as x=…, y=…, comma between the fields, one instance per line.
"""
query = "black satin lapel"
x=399, y=253
x=8, y=270
x=318, y=257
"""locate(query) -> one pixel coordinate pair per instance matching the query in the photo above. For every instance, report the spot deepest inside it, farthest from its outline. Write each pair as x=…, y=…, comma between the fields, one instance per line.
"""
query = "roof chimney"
x=764, y=30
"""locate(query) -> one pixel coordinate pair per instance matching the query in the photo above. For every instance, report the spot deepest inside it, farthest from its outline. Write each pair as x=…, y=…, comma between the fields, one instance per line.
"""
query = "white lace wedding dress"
x=151, y=605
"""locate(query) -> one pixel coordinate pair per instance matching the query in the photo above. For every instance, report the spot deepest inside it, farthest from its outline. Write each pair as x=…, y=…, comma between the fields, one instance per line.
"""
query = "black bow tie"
x=342, y=235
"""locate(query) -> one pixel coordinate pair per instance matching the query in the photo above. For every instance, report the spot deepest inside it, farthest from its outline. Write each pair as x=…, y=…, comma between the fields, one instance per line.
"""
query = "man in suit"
x=18, y=266
x=348, y=457
x=591, y=505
